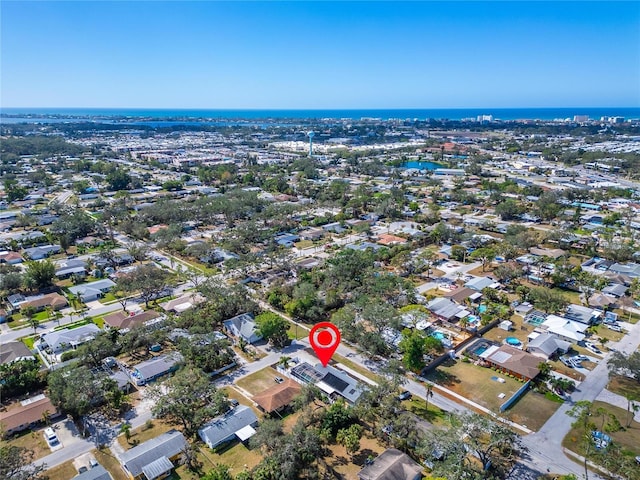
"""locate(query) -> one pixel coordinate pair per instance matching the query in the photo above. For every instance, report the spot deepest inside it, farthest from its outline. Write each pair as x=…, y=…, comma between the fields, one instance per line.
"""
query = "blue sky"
x=319, y=54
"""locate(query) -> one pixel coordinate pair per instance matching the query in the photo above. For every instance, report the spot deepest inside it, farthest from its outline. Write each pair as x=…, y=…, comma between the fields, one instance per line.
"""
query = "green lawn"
x=29, y=341
x=430, y=413
x=296, y=333
x=108, y=298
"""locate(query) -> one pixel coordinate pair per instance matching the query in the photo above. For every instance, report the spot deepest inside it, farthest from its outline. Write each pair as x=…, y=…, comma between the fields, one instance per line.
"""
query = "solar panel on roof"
x=335, y=382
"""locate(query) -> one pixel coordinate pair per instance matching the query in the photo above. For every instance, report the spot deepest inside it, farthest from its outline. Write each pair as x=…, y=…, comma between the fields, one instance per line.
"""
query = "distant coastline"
x=31, y=115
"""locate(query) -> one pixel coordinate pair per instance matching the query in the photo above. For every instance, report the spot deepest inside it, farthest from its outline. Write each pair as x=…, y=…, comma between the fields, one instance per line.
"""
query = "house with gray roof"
x=243, y=326
x=447, y=309
x=14, y=352
x=43, y=251
x=61, y=340
x=479, y=283
x=579, y=313
x=391, y=464
x=545, y=345
x=154, y=458
x=615, y=290
x=96, y=473
x=150, y=370
x=91, y=291
x=238, y=423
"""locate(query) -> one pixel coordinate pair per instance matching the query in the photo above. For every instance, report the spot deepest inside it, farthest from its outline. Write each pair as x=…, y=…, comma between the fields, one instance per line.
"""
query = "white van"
x=50, y=436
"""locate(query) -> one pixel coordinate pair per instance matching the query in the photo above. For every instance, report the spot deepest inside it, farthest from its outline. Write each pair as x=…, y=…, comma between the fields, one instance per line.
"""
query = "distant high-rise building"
x=484, y=118
x=310, y=135
x=616, y=119
x=580, y=118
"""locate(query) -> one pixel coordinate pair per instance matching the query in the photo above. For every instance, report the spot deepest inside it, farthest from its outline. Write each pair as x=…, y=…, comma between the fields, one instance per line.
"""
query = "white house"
x=93, y=290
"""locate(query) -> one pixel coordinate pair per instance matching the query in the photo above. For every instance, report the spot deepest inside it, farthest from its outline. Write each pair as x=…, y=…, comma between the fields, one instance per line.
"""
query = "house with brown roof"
x=126, y=320
x=183, y=303
x=27, y=414
x=278, y=397
x=11, y=258
x=461, y=294
x=514, y=361
x=53, y=300
x=387, y=239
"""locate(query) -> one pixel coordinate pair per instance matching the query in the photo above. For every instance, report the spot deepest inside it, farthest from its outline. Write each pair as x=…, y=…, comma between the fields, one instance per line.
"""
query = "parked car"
x=567, y=362
x=50, y=436
x=614, y=326
x=279, y=379
x=406, y=395
x=593, y=348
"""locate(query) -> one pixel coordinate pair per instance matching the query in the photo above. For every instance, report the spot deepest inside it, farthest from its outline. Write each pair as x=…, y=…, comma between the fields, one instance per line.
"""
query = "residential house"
x=513, y=361
x=391, y=464
x=581, y=314
x=461, y=294
x=243, y=326
x=152, y=369
x=122, y=320
x=88, y=292
x=71, y=267
x=96, y=473
x=388, y=240
x=185, y=302
x=41, y=252
x=312, y=234
x=564, y=329
x=446, y=309
x=61, y=340
x=154, y=458
x=10, y=258
x=14, y=352
x=545, y=345
x=39, y=303
x=238, y=423
x=480, y=283
x=552, y=253
x=278, y=397
x=615, y=290
x=335, y=383
x=27, y=414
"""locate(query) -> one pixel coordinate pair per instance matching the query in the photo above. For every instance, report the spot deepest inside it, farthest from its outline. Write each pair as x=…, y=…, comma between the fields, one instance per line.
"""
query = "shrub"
x=68, y=355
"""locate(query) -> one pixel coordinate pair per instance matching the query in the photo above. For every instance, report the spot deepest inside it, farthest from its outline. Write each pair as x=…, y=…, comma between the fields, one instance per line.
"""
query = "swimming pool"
x=438, y=335
x=482, y=308
x=471, y=319
x=513, y=341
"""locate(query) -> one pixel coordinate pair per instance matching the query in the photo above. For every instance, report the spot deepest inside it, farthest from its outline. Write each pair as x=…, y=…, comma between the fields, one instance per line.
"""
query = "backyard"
x=532, y=410
x=479, y=384
x=259, y=381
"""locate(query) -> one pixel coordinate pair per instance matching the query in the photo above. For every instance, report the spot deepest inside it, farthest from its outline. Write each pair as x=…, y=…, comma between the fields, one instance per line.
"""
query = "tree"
x=219, y=472
x=74, y=390
x=188, y=399
x=509, y=209
x=273, y=328
x=147, y=279
x=628, y=365
x=470, y=439
x=28, y=312
x=486, y=255
x=350, y=438
x=39, y=274
x=412, y=348
x=20, y=377
x=582, y=411
x=118, y=179
x=125, y=428
x=16, y=463
x=547, y=299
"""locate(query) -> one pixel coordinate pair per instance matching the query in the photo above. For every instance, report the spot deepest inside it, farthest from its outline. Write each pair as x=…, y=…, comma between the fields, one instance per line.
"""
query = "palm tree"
x=46, y=417
x=429, y=393
x=126, y=430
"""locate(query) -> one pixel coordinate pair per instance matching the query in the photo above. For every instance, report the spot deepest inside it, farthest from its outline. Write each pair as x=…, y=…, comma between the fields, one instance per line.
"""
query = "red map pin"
x=324, y=338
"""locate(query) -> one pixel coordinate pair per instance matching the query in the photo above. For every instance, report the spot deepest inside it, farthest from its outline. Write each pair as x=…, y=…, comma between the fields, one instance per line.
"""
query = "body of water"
x=43, y=115
x=422, y=165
